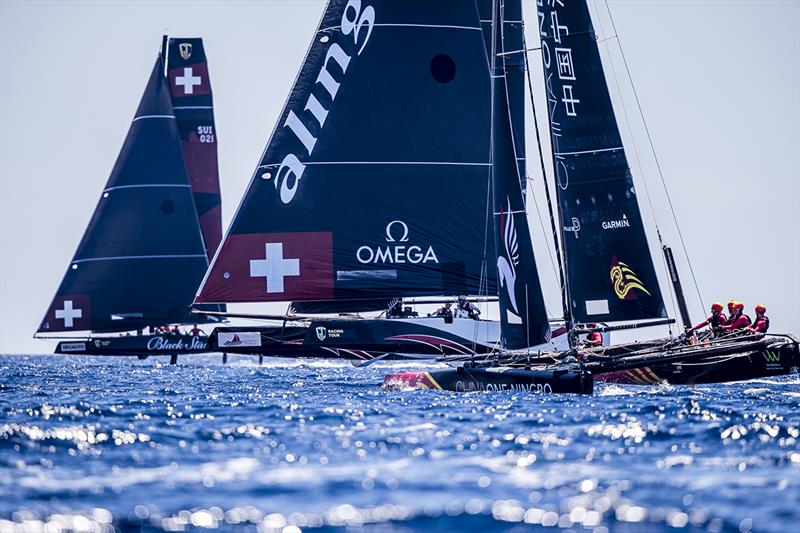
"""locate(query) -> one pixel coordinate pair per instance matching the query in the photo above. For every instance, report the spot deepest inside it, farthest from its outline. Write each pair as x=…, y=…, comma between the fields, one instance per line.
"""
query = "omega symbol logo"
x=390, y=233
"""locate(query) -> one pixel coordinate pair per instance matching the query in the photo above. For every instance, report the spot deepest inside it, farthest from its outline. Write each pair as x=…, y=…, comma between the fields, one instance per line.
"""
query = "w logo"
x=772, y=357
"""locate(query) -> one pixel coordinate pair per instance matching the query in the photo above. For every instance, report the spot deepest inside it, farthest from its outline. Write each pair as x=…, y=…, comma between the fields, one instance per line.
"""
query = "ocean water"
x=100, y=444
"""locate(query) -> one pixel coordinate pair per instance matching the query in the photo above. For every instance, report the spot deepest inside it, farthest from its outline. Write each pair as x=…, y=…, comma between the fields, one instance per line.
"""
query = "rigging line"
x=567, y=310
x=655, y=157
x=638, y=160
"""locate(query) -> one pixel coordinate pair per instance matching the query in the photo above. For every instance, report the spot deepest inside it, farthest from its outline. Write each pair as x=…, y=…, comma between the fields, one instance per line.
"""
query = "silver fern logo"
x=507, y=265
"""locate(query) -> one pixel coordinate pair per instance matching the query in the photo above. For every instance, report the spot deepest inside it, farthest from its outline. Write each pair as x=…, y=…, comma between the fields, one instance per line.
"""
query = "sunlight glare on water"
x=101, y=444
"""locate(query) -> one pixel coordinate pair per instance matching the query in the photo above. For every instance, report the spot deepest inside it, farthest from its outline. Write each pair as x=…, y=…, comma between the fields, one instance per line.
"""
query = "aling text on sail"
x=358, y=22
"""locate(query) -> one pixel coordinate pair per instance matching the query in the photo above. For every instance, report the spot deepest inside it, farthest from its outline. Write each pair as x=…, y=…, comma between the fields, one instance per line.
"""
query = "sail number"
x=206, y=134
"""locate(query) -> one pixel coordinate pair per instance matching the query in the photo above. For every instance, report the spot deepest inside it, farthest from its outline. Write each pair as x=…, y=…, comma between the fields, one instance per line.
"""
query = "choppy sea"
x=102, y=444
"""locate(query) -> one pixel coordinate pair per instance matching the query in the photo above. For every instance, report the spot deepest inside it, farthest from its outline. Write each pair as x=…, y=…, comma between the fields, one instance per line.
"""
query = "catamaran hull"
x=366, y=339
x=753, y=364
x=496, y=379
x=136, y=345
x=719, y=369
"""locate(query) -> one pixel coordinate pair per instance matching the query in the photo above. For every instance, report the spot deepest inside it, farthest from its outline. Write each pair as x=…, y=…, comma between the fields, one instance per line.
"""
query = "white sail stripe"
x=153, y=116
x=390, y=25
x=194, y=107
x=590, y=151
x=147, y=186
x=489, y=21
x=124, y=257
x=446, y=163
x=509, y=212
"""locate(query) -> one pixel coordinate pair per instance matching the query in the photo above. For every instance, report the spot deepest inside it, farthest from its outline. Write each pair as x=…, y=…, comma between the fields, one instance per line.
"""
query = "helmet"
x=462, y=299
x=761, y=308
x=717, y=306
x=731, y=304
x=739, y=306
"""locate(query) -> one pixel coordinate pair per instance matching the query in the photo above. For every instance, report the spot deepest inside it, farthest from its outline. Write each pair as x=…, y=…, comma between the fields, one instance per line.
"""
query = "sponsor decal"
x=596, y=307
x=186, y=50
x=328, y=333
x=771, y=357
x=575, y=228
x=470, y=386
x=616, y=224
x=508, y=260
x=239, y=338
x=73, y=346
x=172, y=343
x=357, y=23
x=396, y=232
x=625, y=281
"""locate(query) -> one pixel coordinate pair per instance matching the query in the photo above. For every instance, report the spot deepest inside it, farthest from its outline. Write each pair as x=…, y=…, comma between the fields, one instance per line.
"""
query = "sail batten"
x=610, y=272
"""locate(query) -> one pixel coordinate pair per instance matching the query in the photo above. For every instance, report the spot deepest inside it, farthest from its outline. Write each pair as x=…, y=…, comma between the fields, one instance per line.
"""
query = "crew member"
x=731, y=310
x=445, y=311
x=594, y=339
x=466, y=309
x=761, y=324
x=197, y=332
x=715, y=321
x=738, y=321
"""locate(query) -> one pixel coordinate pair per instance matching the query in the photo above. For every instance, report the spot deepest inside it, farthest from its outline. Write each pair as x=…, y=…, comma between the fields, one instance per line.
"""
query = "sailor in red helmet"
x=761, y=324
x=731, y=309
x=740, y=320
x=715, y=321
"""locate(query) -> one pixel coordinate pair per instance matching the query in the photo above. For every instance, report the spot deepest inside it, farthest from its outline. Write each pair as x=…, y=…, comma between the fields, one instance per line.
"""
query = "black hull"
x=497, y=379
x=363, y=339
x=776, y=358
x=136, y=345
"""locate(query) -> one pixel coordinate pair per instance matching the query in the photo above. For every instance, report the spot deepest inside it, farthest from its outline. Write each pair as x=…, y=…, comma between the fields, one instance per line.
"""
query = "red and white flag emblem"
x=271, y=267
x=69, y=312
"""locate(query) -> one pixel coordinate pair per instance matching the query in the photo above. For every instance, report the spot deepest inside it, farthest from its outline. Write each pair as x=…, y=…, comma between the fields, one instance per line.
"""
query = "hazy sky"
x=719, y=82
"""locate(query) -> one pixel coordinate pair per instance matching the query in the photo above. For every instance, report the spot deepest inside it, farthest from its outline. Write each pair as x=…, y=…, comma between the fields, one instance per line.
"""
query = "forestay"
x=374, y=183
x=611, y=276
x=142, y=254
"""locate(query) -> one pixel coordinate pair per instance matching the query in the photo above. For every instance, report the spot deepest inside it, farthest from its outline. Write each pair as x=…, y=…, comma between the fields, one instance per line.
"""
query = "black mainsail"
x=610, y=271
x=142, y=255
x=523, y=317
x=374, y=183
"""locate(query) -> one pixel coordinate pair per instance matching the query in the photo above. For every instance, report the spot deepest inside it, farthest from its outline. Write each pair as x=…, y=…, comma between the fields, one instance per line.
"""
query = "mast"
x=523, y=317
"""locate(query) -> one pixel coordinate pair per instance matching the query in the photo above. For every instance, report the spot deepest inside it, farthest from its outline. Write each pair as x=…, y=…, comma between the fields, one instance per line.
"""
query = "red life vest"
x=761, y=325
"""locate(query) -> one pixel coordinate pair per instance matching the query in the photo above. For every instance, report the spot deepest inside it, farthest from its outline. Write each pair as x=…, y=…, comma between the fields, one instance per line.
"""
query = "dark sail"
x=374, y=183
x=523, y=318
x=611, y=275
x=513, y=41
x=142, y=254
x=192, y=100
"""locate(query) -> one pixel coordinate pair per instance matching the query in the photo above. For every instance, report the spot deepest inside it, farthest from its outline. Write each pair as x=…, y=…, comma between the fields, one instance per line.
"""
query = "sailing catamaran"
x=345, y=211
x=156, y=224
x=374, y=186
x=609, y=273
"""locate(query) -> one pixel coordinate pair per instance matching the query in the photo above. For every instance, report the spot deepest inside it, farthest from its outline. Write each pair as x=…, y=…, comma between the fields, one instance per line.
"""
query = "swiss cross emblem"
x=68, y=313
x=271, y=267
